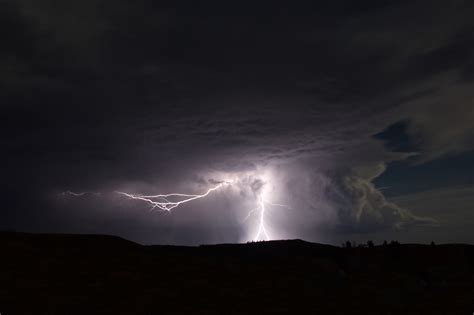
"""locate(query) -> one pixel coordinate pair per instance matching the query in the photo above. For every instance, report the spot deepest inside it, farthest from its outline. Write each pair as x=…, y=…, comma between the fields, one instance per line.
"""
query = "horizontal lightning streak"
x=161, y=202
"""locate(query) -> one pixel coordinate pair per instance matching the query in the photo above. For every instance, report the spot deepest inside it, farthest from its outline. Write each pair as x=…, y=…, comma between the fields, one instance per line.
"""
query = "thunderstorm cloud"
x=294, y=100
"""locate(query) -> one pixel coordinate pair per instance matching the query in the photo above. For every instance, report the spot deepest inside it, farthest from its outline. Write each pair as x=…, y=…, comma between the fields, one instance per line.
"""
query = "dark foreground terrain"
x=74, y=274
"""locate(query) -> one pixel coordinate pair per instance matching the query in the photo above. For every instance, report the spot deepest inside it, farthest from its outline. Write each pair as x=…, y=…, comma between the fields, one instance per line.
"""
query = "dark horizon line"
x=296, y=240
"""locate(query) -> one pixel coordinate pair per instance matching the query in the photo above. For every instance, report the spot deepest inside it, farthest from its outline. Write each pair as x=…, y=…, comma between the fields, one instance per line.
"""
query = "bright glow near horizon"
x=259, y=183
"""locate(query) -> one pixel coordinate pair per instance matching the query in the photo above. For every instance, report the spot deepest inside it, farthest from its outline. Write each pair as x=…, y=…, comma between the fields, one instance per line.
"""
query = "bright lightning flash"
x=262, y=233
x=164, y=202
x=167, y=202
x=261, y=222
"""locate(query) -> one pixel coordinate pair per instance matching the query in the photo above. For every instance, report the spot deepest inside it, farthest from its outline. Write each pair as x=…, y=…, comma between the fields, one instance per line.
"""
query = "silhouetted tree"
x=385, y=243
x=433, y=243
x=348, y=244
x=370, y=244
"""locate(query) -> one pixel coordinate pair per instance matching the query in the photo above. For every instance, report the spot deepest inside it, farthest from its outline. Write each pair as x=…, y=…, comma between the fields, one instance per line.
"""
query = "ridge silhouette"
x=100, y=274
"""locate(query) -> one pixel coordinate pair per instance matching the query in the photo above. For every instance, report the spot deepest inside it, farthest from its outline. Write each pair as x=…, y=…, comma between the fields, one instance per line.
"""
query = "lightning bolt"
x=167, y=202
x=164, y=202
x=261, y=222
x=262, y=203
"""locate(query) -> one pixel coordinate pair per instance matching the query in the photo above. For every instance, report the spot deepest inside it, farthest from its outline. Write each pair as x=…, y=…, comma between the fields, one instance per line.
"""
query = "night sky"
x=357, y=116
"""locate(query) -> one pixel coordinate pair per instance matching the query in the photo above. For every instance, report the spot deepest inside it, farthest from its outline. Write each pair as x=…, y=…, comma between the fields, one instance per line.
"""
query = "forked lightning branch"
x=170, y=201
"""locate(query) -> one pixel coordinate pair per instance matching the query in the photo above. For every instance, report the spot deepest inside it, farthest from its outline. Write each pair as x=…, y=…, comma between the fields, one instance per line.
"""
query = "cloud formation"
x=113, y=95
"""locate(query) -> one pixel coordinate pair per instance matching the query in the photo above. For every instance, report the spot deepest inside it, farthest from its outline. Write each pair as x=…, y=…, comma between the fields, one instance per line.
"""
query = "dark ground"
x=88, y=274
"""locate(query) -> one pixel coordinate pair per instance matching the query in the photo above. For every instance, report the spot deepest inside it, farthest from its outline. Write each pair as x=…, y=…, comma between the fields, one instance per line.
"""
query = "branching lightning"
x=164, y=203
x=168, y=202
x=261, y=231
x=261, y=222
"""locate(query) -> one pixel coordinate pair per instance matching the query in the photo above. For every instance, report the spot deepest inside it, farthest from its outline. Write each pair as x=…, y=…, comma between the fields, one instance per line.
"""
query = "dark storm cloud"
x=106, y=94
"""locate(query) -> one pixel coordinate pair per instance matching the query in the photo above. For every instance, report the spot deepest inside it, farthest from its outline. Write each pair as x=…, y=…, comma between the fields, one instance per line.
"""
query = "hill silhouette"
x=96, y=274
